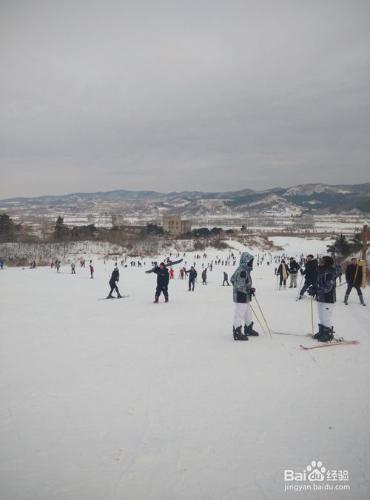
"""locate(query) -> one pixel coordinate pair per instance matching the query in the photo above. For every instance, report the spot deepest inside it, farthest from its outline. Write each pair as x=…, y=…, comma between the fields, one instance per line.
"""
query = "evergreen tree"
x=61, y=231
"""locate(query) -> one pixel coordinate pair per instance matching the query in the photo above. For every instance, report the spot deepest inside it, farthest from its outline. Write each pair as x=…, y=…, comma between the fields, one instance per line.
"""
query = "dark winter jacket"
x=242, y=281
x=310, y=271
x=192, y=274
x=294, y=267
x=114, y=277
x=354, y=277
x=326, y=284
x=163, y=276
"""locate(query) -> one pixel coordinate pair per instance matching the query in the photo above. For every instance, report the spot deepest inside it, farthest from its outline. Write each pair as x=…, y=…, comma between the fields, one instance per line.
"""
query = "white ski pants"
x=293, y=279
x=242, y=314
x=325, y=312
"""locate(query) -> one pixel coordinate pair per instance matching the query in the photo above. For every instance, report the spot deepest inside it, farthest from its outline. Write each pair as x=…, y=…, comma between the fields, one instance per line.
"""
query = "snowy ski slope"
x=127, y=400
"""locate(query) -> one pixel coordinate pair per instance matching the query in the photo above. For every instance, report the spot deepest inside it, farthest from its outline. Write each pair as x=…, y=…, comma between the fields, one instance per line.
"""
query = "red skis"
x=330, y=344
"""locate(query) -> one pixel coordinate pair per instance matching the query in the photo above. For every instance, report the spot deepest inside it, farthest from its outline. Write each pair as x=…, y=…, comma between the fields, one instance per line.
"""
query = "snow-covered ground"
x=127, y=400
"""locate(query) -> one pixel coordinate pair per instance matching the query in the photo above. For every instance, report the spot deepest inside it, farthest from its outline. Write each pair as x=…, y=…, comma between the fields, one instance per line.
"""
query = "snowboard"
x=330, y=344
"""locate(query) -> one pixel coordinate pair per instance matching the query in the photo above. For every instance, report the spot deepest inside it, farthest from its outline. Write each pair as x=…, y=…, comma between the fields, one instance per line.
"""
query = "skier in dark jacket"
x=226, y=279
x=204, y=277
x=310, y=274
x=113, y=283
x=192, y=276
x=163, y=279
x=294, y=267
x=325, y=292
x=354, y=280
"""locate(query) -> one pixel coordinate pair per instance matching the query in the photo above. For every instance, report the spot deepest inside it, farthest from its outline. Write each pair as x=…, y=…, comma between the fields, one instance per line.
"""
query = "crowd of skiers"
x=319, y=277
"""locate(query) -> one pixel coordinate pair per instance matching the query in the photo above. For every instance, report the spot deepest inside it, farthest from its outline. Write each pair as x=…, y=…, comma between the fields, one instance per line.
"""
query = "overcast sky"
x=184, y=94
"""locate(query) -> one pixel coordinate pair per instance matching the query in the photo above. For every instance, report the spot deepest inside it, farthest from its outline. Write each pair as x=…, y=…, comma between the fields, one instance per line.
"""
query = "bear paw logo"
x=316, y=471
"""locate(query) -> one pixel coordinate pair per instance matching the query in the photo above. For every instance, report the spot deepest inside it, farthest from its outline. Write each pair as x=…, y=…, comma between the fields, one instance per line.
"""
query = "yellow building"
x=173, y=224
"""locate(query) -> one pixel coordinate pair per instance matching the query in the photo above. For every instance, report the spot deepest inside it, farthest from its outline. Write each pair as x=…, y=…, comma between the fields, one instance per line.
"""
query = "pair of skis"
x=335, y=341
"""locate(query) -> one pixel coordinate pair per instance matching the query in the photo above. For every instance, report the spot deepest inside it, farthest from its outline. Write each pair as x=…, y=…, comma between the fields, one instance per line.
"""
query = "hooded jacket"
x=241, y=279
x=326, y=283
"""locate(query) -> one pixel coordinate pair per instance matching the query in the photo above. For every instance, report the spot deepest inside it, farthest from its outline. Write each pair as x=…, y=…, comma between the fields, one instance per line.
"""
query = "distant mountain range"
x=315, y=198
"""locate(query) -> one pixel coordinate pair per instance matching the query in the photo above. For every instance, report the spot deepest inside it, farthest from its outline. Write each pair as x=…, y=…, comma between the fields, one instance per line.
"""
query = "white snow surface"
x=126, y=399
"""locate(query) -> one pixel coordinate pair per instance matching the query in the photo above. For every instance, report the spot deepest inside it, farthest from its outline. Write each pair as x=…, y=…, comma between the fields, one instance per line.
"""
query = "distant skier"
x=73, y=268
x=310, y=274
x=204, y=277
x=91, y=268
x=163, y=279
x=113, y=284
x=325, y=291
x=283, y=272
x=339, y=270
x=172, y=273
x=242, y=295
x=192, y=276
x=226, y=279
x=354, y=277
x=1, y=264
x=294, y=267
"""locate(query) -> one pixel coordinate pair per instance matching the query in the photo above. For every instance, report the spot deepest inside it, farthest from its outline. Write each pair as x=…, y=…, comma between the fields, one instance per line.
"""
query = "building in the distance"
x=175, y=225
x=118, y=220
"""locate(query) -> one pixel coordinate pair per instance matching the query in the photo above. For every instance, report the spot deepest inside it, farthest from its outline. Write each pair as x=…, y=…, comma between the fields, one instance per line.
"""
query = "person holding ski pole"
x=226, y=279
x=310, y=274
x=242, y=296
x=354, y=277
x=113, y=283
x=325, y=291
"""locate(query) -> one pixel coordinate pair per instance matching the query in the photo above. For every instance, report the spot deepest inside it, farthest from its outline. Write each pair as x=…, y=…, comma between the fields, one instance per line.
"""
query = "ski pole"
x=263, y=316
x=311, y=302
x=258, y=319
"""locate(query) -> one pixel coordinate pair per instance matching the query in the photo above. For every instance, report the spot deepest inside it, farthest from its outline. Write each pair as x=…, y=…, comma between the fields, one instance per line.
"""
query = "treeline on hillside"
x=10, y=232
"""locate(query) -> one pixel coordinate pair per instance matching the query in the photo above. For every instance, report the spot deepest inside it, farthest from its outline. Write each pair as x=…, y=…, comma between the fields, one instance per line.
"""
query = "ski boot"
x=156, y=298
x=119, y=296
x=166, y=299
x=346, y=300
x=325, y=334
x=362, y=300
x=249, y=332
x=316, y=336
x=238, y=335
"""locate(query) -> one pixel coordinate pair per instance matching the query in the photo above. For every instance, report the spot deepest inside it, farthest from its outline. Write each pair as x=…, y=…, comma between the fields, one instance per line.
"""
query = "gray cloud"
x=182, y=95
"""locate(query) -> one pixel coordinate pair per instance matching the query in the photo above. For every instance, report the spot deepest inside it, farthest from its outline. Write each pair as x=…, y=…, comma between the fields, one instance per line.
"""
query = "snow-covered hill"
x=294, y=200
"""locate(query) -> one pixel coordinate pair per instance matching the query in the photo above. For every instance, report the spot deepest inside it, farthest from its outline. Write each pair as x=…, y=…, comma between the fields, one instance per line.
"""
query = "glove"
x=311, y=291
x=253, y=291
